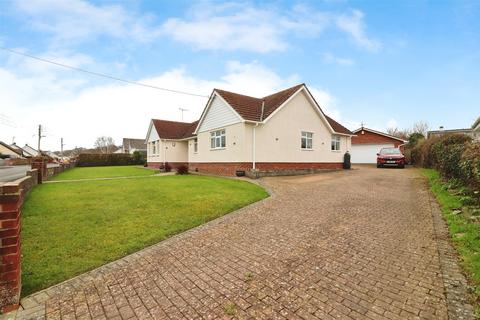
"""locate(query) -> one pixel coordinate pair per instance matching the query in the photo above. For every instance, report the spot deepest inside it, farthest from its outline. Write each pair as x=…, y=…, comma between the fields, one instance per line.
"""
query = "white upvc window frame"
x=195, y=145
x=335, y=144
x=218, y=139
x=307, y=137
x=154, y=148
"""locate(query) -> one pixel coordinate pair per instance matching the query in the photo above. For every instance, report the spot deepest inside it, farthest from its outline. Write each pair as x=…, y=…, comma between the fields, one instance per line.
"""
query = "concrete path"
x=361, y=244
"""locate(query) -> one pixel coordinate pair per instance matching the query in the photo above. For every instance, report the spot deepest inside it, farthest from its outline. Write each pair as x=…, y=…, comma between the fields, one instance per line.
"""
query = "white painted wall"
x=218, y=115
x=279, y=139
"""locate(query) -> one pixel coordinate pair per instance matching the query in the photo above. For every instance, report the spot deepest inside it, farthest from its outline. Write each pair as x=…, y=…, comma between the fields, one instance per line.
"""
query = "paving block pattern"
x=361, y=244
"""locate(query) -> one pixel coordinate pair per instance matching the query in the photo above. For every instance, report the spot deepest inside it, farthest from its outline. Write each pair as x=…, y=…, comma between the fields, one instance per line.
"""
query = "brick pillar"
x=11, y=199
x=40, y=164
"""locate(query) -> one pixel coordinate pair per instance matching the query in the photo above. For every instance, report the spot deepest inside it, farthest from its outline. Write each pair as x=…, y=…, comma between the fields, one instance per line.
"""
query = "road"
x=11, y=173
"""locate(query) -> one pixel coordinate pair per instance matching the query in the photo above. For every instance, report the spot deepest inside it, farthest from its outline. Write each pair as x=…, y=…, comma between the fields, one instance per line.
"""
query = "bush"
x=107, y=159
x=470, y=164
x=182, y=169
x=447, y=152
x=167, y=167
x=138, y=157
x=421, y=155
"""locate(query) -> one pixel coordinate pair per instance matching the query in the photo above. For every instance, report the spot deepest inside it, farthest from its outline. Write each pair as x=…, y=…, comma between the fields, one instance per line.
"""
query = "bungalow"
x=285, y=132
x=9, y=151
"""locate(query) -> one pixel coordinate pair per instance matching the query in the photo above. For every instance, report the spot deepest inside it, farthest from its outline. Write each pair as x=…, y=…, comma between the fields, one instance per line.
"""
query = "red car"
x=390, y=157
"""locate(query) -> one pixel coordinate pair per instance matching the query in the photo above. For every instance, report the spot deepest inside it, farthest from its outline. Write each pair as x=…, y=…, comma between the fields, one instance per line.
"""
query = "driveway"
x=361, y=244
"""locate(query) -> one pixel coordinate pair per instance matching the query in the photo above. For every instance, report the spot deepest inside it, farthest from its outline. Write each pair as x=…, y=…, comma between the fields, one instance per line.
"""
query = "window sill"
x=337, y=151
x=217, y=149
x=307, y=149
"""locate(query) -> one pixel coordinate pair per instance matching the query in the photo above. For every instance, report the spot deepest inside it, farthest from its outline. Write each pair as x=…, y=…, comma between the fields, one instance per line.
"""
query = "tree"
x=420, y=127
x=414, y=138
x=402, y=134
x=105, y=144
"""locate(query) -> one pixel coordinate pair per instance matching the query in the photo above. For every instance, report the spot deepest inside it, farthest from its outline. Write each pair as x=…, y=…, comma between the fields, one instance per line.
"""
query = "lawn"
x=460, y=214
x=103, y=172
x=70, y=228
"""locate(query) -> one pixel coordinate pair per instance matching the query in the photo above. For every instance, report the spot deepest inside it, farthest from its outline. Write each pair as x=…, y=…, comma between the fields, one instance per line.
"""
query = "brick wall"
x=374, y=138
x=158, y=165
x=275, y=168
x=12, y=195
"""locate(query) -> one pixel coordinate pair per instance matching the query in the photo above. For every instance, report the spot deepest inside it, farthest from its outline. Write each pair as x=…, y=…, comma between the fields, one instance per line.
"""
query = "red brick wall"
x=174, y=165
x=230, y=168
x=11, y=199
x=371, y=138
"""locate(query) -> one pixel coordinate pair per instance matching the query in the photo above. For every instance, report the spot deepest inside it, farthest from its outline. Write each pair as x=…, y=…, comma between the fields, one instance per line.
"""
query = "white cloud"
x=78, y=20
x=353, y=24
x=332, y=59
x=122, y=110
x=245, y=27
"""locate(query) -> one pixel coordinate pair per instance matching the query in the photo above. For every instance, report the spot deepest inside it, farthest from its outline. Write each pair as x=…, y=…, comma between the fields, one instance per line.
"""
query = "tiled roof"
x=250, y=108
x=174, y=129
x=138, y=144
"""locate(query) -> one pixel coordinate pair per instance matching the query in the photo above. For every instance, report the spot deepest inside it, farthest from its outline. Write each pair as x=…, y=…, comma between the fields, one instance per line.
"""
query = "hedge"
x=99, y=159
x=454, y=156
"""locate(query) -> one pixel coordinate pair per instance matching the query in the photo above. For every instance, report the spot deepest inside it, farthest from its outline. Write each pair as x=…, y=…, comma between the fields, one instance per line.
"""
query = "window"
x=335, y=143
x=217, y=139
x=195, y=145
x=307, y=140
x=154, y=149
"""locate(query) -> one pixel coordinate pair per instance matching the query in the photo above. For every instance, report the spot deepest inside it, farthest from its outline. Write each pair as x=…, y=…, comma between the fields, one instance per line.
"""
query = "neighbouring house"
x=31, y=152
x=131, y=145
x=367, y=143
x=9, y=151
x=473, y=131
x=286, y=132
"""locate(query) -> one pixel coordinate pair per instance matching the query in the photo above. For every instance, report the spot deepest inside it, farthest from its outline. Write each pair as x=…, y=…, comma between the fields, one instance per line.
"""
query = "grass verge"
x=102, y=172
x=70, y=228
x=462, y=218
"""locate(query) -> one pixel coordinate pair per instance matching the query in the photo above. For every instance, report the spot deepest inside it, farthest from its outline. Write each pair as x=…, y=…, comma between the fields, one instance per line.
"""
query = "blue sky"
x=386, y=63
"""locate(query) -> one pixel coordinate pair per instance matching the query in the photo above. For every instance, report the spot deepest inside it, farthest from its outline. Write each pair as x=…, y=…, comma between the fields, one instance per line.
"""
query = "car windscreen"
x=390, y=151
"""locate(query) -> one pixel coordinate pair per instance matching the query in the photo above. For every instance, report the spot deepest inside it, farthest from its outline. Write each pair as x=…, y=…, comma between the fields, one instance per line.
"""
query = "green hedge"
x=454, y=156
x=98, y=159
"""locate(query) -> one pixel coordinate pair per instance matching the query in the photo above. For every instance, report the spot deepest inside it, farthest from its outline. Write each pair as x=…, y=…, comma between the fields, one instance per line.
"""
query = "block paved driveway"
x=364, y=244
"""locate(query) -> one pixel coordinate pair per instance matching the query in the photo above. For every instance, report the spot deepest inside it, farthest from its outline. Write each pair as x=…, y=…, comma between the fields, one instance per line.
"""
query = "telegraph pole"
x=39, y=137
x=61, y=147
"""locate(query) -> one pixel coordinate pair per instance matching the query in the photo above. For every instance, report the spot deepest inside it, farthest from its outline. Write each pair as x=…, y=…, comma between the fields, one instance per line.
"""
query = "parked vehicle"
x=390, y=157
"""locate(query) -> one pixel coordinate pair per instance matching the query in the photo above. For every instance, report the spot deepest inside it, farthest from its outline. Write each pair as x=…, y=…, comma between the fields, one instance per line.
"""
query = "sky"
x=383, y=63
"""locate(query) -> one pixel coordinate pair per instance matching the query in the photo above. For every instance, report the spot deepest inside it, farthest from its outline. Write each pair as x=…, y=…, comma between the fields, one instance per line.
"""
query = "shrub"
x=447, y=152
x=470, y=164
x=103, y=159
x=138, y=157
x=167, y=167
x=182, y=169
x=421, y=154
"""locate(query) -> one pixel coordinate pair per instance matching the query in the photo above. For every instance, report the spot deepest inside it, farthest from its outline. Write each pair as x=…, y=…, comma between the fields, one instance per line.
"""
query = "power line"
x=98, y=74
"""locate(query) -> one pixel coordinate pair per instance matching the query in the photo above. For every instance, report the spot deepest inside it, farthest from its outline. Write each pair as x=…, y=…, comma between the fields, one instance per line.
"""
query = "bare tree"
x=420, y=127
x=399, y=133
x=105, y=144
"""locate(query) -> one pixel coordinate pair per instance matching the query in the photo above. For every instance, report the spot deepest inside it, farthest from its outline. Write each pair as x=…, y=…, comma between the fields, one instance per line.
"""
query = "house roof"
x=379, y=133
x=250, y=108
x=13, y=149
x=138, y=144
x=173, y=129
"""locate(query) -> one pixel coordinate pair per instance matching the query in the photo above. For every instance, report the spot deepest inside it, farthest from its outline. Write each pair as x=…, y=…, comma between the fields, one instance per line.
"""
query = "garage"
x=367, y=142
x=367, y=153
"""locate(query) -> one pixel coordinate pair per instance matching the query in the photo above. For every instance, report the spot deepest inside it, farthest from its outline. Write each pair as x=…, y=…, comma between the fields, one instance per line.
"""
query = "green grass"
x=464, y=232
x=70, y=228
x=103, y=172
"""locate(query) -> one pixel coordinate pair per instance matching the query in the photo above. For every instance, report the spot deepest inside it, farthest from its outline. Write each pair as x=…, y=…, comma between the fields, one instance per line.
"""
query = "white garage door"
x=367, y=153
